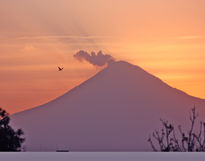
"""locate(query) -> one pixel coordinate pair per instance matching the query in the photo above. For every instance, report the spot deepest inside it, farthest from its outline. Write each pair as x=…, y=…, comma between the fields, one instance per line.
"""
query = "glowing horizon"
x=166, y=38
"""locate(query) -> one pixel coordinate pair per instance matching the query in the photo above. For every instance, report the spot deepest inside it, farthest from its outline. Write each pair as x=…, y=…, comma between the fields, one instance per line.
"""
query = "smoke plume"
x=98, y=59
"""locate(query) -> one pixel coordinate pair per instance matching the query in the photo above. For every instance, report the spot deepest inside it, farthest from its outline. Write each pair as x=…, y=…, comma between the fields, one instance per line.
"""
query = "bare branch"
x=168, y=140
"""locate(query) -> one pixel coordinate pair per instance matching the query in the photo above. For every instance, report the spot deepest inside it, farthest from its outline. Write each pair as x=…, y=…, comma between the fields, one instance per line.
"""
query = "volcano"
x=115, y=110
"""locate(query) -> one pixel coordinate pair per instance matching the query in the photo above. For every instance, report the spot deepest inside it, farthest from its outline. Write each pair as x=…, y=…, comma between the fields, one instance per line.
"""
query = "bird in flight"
x=60, y=69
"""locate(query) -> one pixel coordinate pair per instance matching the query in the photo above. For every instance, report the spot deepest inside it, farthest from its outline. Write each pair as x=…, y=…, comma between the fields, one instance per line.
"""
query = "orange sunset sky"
x=165, y=37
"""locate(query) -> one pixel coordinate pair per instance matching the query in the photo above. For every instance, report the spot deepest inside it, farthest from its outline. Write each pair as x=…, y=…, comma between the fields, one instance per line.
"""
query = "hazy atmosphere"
x=167, y=38
x=102, y=76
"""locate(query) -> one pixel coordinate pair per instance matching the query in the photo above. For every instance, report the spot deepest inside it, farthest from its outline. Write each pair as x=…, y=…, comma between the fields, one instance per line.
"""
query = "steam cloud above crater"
x=98, y=59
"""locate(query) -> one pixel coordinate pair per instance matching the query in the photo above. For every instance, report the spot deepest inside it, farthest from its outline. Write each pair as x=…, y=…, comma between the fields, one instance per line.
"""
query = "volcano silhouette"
x=115, y=110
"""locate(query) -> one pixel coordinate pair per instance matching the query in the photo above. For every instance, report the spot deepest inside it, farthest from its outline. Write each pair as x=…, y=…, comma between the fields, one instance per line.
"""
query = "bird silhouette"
x=60, y=69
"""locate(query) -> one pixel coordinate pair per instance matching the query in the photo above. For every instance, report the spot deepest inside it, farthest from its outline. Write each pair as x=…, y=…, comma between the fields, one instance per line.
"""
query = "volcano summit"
x=115, y=110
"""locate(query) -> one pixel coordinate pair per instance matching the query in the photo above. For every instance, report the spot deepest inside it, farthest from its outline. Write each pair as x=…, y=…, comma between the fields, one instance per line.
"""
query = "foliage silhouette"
x=10, y=140
x=168, y=141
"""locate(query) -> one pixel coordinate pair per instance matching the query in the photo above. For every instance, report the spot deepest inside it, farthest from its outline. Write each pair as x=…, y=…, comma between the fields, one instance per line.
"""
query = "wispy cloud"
x=190, y=37
x=57, y=37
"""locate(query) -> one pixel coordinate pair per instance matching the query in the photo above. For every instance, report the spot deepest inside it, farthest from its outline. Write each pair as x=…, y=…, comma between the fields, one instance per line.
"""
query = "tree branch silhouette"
x=10, y=140
x=166, y=140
